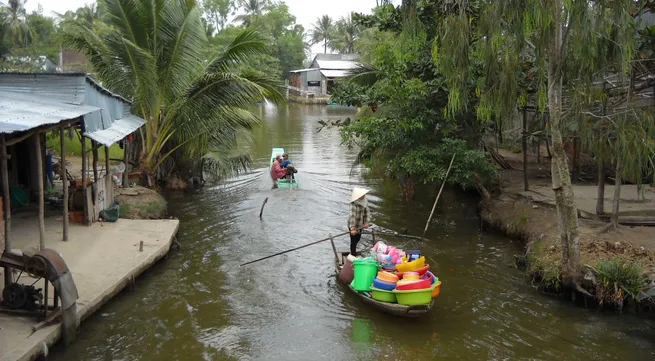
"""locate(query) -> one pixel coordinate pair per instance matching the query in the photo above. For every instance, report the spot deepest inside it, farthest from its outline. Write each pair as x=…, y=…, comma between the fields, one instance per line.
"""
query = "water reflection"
x=200, y=305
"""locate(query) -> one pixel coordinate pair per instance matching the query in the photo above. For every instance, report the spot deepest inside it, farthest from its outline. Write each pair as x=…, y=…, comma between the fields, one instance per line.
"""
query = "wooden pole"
x=107, y=174
x=334, y=249
x=261, y=211
x=524, y=146
x=41, y=195
x=126, y=147
x=439, y=194
x=64, y=180
x=83, y=140
x=600, y=201
x=9, y=279
x=293, y=249
x=95, y=161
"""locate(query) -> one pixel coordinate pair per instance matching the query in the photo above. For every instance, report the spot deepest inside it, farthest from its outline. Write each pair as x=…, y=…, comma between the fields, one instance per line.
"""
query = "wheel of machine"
x=36, y=267
x=14, y=296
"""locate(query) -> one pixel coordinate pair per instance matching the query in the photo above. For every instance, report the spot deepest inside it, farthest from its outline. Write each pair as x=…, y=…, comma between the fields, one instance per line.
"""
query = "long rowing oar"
x=293, y=249
x=427, y=224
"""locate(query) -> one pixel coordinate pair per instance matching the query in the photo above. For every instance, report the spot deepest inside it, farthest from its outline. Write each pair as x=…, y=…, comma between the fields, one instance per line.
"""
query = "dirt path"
x=532, y=215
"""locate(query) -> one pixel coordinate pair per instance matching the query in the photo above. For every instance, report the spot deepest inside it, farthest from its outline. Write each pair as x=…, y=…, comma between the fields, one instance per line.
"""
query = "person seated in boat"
x=358, y=217
x=288, y=165
x=277, y=172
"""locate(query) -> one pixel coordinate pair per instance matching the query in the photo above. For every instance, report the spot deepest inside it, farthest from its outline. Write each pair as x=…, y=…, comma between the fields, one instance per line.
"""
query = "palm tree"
x=16, y=22
x=253, y=9
x=322, y=31
x=346, y=34
x=193, y=106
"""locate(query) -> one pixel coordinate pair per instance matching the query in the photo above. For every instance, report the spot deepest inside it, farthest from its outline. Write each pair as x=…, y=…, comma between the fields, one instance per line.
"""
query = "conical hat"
x=357, y=193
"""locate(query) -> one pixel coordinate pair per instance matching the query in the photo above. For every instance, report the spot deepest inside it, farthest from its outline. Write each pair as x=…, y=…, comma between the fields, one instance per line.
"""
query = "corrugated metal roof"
x=335, y=73
x=301, y=70
x=21, y=112
x=117, y=131
x=59, y=91
x=336, y=64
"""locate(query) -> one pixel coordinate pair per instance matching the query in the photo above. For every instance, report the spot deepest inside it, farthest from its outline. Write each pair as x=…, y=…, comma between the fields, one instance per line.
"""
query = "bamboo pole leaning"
x=427, y=224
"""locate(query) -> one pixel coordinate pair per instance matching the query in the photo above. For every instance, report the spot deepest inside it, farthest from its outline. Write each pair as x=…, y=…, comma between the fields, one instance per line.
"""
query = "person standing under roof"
x=358, y=218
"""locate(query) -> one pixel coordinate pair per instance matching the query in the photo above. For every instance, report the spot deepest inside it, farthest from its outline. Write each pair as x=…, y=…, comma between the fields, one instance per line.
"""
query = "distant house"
x=318, y=79
x=72, y=61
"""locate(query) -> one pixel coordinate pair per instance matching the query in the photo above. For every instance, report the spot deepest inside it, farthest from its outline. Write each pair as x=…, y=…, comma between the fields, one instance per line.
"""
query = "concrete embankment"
x=103, y=259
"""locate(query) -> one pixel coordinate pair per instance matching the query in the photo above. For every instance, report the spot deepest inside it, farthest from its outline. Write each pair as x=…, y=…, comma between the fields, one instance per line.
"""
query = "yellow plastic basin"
x=411, y=266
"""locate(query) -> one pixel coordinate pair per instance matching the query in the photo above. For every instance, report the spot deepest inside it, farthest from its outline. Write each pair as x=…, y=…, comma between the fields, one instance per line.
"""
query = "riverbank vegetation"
x=455, y=76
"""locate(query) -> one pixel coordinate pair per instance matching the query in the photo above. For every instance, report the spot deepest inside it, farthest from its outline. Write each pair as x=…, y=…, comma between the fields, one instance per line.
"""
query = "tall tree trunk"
x=600, y=202
x=564, y=197
x=617, y=192
x=619, y=177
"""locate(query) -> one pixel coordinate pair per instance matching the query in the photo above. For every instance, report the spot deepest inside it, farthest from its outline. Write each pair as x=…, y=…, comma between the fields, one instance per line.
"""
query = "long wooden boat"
x=287, y=182
x=387, y=307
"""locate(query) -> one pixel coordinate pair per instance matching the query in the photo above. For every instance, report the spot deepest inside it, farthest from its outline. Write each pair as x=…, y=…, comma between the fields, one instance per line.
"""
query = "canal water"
x=200, y=305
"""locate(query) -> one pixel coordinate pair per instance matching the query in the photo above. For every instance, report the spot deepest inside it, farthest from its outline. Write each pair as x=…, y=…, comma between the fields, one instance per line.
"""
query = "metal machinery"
x=25, y=299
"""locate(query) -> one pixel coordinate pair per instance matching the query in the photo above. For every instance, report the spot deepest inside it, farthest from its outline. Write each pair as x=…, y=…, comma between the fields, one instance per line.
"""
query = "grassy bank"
x=74, y=146
x=615, y=271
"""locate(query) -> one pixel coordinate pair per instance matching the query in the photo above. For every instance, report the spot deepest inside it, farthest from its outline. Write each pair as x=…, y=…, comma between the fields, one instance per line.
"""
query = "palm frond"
x=365, y=75
x=243, y=47
x=180, y=60
x=220, y=165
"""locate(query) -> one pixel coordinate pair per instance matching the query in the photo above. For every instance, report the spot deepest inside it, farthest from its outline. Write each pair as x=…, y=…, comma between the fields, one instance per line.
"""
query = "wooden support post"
x=6, y=203
x=95, y=161
x=83, y=140
x=524, y=150
x=107, y=173
x=576, y=158
x=126, y=147
x=14, y=160
x=64, y=180
x=41, y=194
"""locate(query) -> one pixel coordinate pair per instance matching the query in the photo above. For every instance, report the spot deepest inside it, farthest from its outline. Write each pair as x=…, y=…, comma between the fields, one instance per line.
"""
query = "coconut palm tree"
x=252, y=9
x=153, y=55
x=346, y=34
x=322, y=31
x=16, y=22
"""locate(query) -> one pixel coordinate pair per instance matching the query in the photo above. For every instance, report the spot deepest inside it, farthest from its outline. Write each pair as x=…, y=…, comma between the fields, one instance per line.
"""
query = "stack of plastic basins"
x=365, y=271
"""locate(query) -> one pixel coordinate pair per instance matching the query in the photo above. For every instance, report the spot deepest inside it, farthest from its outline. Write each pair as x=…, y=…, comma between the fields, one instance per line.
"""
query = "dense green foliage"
x=410, y=135
x=287, y=47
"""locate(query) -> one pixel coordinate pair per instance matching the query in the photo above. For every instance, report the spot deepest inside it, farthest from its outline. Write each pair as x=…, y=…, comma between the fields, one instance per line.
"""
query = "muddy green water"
x=199, y=305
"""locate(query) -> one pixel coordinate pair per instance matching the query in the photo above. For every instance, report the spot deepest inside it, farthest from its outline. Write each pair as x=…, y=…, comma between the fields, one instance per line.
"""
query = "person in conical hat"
x=358, y=218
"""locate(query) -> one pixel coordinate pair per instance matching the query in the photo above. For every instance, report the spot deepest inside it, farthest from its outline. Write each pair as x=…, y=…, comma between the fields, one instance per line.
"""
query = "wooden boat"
x=287, y=182
x=387, y=307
